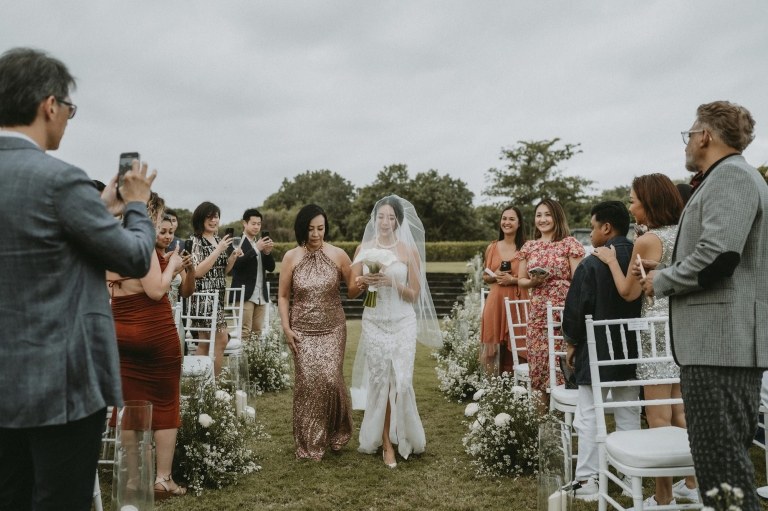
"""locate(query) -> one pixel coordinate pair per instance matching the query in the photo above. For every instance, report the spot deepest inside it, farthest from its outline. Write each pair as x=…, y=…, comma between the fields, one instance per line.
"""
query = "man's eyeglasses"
x=72, y=107
x=686, y=135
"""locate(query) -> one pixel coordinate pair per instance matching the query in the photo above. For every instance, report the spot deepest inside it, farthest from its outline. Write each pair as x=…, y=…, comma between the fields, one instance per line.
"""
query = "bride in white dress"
x=382, y=379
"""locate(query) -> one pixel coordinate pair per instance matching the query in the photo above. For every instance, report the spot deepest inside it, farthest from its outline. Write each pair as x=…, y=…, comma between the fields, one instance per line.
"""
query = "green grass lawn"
x=441, y=478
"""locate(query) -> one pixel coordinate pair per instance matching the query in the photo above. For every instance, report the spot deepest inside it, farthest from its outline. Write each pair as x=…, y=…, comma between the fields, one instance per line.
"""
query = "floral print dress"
x=553, y=255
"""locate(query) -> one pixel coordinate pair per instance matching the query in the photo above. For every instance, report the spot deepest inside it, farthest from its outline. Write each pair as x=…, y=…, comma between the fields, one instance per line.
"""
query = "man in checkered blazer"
x=718, y=290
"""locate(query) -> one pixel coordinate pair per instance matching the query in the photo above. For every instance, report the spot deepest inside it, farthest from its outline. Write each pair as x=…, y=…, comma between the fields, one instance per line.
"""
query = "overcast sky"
x=226, y=99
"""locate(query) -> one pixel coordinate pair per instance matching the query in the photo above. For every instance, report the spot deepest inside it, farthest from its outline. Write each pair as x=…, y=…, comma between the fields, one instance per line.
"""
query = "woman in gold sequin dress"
x=316, y=332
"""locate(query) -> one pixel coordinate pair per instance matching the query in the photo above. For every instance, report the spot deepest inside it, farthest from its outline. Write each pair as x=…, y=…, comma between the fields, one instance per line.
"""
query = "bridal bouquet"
x=374, y=259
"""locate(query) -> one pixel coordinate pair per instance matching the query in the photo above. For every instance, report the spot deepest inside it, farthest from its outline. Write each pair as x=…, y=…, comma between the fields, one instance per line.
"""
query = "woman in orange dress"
x=150, y=350
x=496, y=352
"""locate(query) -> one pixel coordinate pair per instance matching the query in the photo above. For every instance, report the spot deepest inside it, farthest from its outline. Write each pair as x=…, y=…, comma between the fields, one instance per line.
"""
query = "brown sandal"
x=166, y=492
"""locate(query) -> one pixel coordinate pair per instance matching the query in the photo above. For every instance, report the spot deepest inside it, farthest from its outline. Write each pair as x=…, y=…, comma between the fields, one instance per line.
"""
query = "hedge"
x=441, y=251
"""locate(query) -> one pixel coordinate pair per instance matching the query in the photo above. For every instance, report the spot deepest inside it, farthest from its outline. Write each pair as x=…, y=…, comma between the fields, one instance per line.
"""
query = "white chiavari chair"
x=518, y=323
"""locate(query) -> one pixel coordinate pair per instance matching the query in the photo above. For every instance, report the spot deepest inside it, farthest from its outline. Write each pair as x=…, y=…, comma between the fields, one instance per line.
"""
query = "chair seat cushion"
x=648, y=448
x=565, y=396
x=197, y=366
x=522, y=370
x=234, y=344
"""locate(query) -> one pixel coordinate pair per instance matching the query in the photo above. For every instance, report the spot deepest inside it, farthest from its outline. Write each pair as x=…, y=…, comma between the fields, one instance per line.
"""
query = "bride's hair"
x=396, y=206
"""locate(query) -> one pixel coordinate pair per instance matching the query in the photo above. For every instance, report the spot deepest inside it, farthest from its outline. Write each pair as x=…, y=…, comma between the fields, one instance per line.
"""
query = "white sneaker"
x=681, y=491
x=587, y=491
x=628, y=481
x=651, y=502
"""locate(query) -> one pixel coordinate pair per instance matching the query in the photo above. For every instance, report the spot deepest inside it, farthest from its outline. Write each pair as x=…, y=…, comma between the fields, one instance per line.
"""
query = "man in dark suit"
x=59, y=366
x=250, y=271
x=593, y=292
x=717, y=298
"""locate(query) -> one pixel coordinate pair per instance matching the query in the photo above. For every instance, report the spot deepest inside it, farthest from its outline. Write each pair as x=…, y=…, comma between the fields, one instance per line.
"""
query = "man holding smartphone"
x=250, y=271
x=59, y=368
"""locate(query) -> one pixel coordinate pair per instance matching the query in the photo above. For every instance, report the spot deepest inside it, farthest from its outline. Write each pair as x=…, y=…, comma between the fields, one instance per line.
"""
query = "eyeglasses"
x=686, y=135
x=72, y=107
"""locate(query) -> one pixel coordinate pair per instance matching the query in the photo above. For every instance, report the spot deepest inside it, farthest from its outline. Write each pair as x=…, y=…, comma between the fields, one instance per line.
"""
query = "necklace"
x=304, y=246
x=393, y=245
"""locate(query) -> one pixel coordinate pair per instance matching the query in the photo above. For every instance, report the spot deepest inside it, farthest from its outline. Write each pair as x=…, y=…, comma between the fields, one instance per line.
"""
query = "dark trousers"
x=721, y=405
x=50, y=467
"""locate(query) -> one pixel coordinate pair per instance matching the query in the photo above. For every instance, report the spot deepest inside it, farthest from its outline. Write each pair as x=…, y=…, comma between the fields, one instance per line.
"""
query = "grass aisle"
x=441, y=478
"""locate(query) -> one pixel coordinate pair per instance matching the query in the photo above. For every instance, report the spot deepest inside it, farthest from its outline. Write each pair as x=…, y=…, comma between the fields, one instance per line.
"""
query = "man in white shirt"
x=250, y=271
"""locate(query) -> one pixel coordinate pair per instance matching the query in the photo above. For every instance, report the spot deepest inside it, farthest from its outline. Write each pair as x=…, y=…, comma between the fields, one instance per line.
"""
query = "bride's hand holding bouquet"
x=375, y=259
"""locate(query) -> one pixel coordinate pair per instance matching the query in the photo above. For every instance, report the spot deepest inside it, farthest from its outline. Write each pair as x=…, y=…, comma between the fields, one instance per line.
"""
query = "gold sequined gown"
x=321, y=407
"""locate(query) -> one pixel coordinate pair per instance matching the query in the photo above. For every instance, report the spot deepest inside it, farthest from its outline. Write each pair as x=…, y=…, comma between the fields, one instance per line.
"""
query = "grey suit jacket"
x=718, y=280
x=58, y=352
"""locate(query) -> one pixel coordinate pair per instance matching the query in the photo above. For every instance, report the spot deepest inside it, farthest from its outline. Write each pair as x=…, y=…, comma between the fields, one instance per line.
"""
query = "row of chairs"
x=658, y=452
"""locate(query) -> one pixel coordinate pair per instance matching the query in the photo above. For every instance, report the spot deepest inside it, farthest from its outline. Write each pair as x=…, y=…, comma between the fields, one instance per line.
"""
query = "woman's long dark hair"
x=661, y=200
x=303, y=219
x=202, y=213
x=520, y=237
x=558, y=217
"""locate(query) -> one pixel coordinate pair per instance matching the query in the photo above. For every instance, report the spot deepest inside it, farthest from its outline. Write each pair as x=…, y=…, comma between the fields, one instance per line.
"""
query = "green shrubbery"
x=436, y=252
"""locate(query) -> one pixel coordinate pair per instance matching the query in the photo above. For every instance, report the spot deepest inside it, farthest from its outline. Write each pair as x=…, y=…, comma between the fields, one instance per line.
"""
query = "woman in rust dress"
x=316, y=332
x=496, y=353
x=150, y=350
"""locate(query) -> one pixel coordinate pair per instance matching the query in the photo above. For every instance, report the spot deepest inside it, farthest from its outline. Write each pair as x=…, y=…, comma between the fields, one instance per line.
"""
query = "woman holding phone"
x=656, y=204
x=148, y=343
x=496, y=352
x=554, y=255
x=184, y=281
x=211, y=268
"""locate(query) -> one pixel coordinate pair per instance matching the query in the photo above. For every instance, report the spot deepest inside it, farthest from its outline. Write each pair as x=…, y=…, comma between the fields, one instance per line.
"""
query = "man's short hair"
x=171, y=212
x=612, y=212
x=28, y=77
x=732, y=123
x=251, y=212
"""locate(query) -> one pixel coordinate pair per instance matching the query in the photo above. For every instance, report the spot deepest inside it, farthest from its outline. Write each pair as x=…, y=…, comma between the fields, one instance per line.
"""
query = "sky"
x=226, y=99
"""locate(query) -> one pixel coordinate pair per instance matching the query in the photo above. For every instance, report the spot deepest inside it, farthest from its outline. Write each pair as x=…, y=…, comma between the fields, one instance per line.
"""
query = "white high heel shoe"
x=384, y=455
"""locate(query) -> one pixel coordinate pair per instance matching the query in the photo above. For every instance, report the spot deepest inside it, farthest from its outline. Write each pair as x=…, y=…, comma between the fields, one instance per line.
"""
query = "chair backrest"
x=179, y=323
x=483, y=293
x=233, y=310
x=204, y=307
x=266, y=327
x=552, y=325
x=629, y=332
x=521, y=314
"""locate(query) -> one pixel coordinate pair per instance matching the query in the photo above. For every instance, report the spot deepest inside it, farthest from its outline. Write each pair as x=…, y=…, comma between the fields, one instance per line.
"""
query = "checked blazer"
x=718, y=280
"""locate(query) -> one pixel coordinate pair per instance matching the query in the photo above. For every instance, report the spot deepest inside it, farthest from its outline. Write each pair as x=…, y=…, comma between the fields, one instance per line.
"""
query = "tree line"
x=530, y=171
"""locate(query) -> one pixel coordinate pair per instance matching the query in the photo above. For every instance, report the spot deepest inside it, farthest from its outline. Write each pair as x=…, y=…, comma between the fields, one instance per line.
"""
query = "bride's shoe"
x=394, y=460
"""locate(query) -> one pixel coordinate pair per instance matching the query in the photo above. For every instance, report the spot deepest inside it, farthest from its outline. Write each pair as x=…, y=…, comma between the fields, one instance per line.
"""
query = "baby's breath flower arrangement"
x=726, y=498
x=212, y=445
x=503, y=431
x=269, y=359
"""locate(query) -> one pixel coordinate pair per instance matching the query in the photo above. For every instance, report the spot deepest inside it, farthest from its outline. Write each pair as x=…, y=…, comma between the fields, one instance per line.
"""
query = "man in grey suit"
x=718, y=305
x=59, y=366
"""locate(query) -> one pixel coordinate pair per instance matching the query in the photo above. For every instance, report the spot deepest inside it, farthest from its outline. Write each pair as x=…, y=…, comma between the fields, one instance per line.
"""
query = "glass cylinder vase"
x=555, y=467
x=133, y=480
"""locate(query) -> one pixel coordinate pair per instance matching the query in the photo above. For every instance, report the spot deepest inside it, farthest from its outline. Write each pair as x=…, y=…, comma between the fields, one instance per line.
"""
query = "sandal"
x=166, y=492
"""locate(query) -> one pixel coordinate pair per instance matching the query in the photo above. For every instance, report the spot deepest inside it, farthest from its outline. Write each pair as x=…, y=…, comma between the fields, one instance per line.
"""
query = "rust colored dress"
x=322, y=412
x=494, y=330
x=150, y=353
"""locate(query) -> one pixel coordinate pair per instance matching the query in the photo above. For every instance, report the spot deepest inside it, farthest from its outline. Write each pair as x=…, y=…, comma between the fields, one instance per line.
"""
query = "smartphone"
x=126, y=164
x=230, y=231
x=538, y=271
x=188, y=246
x=506, y=266
x=265, y=234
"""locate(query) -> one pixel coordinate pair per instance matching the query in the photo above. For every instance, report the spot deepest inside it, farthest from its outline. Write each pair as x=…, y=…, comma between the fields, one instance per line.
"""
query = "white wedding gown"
x=389, y=334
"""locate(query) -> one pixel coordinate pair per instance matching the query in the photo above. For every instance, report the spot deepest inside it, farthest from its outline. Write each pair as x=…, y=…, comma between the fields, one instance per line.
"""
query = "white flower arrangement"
x=269, y=363
x=374, y=259
x=471, y=409
x=478, y=394
x=503, y=438
x=212, y=444
x=458, y=368
x=729, y=499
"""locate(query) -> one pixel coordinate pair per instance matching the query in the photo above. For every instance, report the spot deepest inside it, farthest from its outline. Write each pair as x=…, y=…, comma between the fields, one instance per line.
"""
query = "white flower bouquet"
x=269, y=362
x=374, y=260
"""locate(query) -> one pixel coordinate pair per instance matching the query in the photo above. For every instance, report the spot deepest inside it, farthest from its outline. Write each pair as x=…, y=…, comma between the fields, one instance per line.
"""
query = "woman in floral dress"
x=559, y=254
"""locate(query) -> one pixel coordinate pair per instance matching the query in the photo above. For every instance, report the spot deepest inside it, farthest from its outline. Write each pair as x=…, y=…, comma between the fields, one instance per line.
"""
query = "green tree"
x=390, y=180
x=763, y=170
x=184, y=216
x=532, y=172
x=322, y=187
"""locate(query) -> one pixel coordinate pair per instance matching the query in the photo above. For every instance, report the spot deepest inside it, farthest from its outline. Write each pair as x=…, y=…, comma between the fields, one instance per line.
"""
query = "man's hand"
x=569, y=354
x=136, y=185
x=647, y=283
x=647, y=264
x=265, y=245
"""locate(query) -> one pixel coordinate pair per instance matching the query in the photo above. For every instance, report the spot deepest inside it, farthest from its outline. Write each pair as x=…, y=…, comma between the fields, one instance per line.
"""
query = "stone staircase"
x=446, y=289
